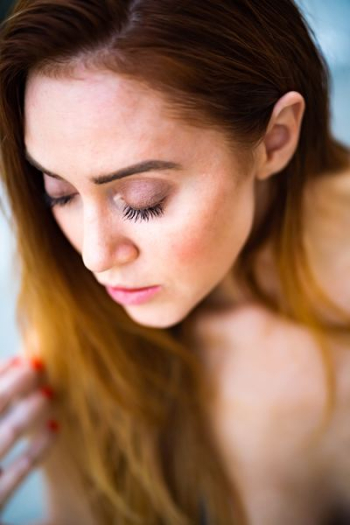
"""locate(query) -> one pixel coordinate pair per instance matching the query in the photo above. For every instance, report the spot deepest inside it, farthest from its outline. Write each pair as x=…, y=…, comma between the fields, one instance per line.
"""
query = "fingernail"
x=37, y=363
x=47, y=391
x=53, y=425
x=15, y=361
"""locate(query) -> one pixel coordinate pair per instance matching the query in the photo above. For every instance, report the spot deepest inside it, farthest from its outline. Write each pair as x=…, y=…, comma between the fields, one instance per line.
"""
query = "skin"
x=189, y=250
x=96, y=122
x=23, y=408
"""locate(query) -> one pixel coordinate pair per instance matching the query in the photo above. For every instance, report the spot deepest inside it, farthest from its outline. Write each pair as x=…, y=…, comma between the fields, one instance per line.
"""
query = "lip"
x=132, y=295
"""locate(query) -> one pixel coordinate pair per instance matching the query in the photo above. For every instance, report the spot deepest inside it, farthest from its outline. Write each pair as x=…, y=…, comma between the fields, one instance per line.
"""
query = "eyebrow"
x=141, y=167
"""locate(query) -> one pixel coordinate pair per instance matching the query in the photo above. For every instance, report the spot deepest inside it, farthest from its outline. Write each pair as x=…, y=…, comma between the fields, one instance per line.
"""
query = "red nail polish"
x=37, y=363
x=47, y=391
x=53, y=425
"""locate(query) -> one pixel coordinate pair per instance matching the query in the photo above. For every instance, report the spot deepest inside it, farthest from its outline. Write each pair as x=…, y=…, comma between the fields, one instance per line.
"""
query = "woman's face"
x=94, y=125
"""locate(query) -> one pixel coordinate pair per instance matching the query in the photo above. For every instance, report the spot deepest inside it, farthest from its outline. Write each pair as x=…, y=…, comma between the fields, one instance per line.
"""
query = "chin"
x=154, y=319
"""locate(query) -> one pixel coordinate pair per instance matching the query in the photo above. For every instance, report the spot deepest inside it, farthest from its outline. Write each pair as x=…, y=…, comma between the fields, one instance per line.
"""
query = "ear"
x=282, y=135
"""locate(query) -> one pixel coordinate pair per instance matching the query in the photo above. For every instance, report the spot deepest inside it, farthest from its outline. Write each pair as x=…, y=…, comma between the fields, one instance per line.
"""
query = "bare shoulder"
x=279, y=357
x=269, y=398
x=270, y=380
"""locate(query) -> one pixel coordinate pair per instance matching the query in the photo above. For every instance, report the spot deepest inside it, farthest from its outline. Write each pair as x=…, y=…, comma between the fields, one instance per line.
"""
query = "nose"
x=104, y=247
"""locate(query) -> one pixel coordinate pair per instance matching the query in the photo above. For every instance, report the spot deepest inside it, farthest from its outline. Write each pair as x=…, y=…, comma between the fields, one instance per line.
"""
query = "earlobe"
x=282, y=135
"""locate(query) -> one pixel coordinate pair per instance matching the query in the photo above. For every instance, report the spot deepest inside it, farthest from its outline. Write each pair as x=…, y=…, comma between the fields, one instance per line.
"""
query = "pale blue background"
x=331, y=22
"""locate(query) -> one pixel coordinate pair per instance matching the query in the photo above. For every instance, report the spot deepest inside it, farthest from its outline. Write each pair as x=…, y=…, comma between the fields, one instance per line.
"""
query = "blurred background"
x=330, y=20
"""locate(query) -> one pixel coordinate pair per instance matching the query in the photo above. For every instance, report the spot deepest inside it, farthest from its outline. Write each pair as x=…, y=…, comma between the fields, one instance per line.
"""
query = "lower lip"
x=136, y=297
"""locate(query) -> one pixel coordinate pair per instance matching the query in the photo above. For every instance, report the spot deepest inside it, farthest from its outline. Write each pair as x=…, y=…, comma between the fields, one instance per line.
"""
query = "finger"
x=22, y=418
x=18, y=470
x=6, y=364
x=16, y=382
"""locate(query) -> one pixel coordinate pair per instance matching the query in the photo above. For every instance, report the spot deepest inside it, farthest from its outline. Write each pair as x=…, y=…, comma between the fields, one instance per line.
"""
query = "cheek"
x=215, y=236
x=194, y=244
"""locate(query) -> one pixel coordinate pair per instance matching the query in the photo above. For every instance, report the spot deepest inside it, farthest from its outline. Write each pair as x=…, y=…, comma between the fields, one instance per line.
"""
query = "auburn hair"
x=135, y=439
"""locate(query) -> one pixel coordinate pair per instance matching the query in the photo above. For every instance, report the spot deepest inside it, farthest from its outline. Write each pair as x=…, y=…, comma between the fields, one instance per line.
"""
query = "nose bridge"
x=104, y=244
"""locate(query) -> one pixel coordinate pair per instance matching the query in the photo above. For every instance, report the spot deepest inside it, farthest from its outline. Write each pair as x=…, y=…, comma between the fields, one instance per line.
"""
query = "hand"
x=25, y=405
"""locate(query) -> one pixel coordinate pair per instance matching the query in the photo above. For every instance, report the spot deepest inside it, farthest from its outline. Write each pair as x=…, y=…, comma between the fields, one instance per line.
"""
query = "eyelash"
x=129, y=213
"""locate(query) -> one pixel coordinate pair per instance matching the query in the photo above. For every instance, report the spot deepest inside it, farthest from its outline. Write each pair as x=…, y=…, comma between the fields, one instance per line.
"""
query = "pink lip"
x=132, y=295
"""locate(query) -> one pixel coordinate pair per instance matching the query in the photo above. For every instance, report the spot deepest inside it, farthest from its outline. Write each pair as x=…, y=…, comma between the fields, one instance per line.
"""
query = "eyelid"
x=150, y=196
x=154, y=188
x=140, y=201
x=129, y=212
x=57, y=186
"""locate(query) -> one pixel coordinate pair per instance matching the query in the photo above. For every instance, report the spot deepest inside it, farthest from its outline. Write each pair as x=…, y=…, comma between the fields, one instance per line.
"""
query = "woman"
x=182, y=148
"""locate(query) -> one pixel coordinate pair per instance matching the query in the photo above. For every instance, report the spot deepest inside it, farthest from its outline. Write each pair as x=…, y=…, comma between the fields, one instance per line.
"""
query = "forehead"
x=92, y=106
x=96, y=121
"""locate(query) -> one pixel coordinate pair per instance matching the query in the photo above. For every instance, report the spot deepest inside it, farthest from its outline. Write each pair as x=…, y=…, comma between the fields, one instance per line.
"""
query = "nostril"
x=126, y=252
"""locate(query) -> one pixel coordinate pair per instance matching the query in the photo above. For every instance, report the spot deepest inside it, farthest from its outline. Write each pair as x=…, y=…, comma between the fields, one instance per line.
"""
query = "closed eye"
x=144, y=214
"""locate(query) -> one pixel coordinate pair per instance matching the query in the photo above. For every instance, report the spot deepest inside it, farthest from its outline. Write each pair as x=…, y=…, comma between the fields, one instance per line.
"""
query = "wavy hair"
x=135, y=439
